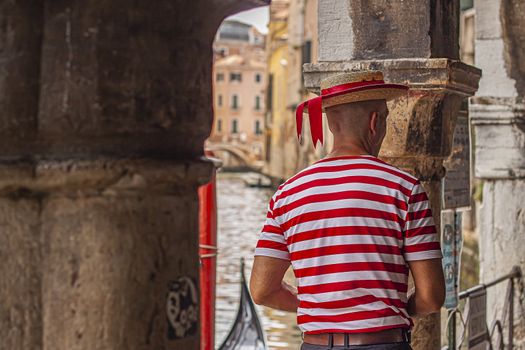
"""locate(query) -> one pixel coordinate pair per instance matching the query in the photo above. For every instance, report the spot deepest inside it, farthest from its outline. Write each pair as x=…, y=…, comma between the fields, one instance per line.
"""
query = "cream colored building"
x=239, y=89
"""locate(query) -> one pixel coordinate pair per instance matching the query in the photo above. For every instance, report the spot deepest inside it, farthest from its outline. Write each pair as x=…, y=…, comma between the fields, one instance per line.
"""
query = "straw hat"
x=345, y=88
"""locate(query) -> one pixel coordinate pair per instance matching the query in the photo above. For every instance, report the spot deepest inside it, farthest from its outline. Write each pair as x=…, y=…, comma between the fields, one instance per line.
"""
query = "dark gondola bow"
x=246, y=332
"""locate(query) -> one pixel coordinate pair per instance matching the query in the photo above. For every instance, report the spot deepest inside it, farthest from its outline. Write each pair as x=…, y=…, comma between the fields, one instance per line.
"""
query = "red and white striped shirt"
x=348, y=225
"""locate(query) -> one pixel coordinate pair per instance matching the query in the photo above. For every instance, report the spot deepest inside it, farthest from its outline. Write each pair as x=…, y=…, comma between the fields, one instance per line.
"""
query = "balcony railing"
x=474, y=332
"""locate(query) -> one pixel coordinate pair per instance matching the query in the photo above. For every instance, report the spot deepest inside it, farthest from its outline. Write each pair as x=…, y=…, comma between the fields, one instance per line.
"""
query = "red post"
x=208, y=260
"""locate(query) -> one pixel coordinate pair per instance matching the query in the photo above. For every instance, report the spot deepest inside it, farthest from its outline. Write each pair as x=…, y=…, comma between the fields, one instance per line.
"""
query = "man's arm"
x=429, y=284
x=267, y=286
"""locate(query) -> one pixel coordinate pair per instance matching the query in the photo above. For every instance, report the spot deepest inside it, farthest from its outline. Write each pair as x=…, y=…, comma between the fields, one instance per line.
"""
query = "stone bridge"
x=244, y=154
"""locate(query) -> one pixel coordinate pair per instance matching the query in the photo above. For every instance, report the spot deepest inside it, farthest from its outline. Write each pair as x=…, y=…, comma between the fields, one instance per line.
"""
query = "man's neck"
x=348, y=150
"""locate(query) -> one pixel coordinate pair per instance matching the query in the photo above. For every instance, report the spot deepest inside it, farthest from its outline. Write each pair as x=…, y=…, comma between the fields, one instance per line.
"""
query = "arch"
x=242, y=153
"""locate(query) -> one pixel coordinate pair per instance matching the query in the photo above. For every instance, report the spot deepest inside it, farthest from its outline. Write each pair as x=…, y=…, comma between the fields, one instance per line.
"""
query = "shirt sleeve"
x=272, y=242
x=421, y=237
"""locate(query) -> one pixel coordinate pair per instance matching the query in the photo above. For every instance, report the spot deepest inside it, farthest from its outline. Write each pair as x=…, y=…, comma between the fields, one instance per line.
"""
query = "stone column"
x=105, y=108
x=498, y=116
x=415, y=43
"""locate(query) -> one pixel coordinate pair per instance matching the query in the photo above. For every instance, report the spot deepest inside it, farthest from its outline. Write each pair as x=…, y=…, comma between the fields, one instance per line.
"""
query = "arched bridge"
x=244, y=154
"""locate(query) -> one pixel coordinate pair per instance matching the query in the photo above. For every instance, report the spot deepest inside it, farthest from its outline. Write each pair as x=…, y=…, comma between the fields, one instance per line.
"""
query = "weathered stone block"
x=108, y=263
x=20, y=274
x=502, y=238
x=499, y=47
x=488, y=24
x=20, y=40
x=91, y=247
x=335, y=31
x=495, y=80
x=499, y=138
x=375, y=29
x=116, y=70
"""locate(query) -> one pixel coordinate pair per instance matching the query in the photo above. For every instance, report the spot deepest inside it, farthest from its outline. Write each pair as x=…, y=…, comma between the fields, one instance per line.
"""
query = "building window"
x=257, y=103
x=307, y=52
x=466, y=4
x=219, y=125
x=235, y=129
x=258, y=130
x=235, y=77
x=269, y=93
x=306, y=55
x=233, y=30
x=219, y=100
x=235, y=102
x=220, y=77
x=257, y=78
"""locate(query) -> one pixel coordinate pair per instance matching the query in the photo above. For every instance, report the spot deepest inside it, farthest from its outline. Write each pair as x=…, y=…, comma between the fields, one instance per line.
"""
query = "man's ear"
x=373, y=123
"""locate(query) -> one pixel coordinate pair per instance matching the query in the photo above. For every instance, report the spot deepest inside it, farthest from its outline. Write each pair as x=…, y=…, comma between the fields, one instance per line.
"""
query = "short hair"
x=352, y=118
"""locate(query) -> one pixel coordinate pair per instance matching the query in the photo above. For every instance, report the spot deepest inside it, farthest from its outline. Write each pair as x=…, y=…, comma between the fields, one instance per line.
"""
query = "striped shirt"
x=348, y=226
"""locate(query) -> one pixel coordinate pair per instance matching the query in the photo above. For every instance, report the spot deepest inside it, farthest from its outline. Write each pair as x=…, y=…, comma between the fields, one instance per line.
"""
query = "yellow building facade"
x=278, y=125
x=291, y=42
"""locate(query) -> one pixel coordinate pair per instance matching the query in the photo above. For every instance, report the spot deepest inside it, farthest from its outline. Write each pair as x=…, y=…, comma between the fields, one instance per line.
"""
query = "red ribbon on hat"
x=315, y=108
x=315, y=116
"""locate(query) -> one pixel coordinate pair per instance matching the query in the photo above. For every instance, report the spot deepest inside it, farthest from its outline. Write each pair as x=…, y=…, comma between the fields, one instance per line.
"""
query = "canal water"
x=241, y=214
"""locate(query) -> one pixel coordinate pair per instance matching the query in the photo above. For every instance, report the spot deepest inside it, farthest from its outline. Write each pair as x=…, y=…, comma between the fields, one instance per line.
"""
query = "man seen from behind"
x=352, y=227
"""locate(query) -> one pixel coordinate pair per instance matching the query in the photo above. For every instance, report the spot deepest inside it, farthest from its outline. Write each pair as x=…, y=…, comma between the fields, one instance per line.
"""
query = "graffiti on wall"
x=182, y=308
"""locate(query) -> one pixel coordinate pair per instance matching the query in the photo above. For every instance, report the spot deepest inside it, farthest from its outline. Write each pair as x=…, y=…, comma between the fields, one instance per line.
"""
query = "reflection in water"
x=241, y=212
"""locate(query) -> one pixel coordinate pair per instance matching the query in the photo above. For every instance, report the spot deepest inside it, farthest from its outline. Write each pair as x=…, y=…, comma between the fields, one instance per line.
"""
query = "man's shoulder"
x=306, y=171
x=288, y=183
x=403, y=173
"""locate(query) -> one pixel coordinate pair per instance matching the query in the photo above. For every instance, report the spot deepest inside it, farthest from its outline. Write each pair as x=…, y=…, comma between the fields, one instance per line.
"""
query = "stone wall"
x=498, y=117
x=105, y=109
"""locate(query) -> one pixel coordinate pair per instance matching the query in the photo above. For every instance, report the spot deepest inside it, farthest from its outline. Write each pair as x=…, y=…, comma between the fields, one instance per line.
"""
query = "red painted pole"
x=208, y=260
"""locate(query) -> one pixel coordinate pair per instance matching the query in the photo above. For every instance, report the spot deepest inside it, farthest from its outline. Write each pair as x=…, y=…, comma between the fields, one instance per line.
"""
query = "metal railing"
x=492, y=337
